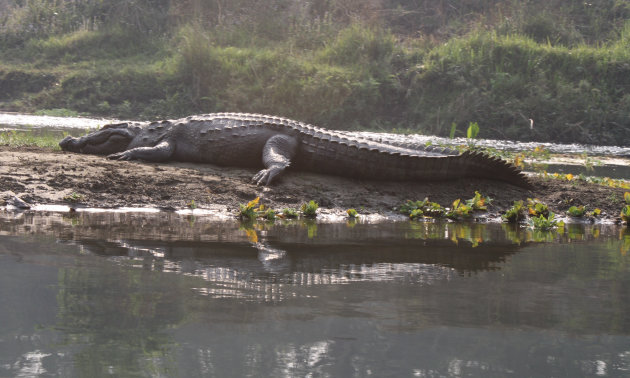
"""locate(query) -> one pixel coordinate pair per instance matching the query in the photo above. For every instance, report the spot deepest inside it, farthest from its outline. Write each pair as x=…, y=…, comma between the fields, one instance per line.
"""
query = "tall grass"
x=562, y=67
x=318, y=87
x=505, y=81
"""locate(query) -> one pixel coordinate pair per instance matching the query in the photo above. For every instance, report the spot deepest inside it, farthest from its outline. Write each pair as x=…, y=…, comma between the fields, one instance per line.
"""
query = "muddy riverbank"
x=43, y=176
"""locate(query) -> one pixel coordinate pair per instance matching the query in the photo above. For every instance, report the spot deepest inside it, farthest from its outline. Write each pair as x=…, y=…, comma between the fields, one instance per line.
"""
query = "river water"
x=165, y=294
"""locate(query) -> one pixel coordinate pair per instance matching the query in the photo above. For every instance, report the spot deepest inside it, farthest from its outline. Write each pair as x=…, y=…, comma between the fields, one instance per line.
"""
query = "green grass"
x=28, y=138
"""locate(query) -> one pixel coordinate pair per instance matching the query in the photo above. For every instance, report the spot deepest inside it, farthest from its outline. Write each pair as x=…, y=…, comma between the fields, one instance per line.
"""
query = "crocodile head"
x=108, y=140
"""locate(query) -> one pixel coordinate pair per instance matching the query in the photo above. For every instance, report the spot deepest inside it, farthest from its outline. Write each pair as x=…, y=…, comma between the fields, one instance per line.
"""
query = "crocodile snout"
x=67, y=143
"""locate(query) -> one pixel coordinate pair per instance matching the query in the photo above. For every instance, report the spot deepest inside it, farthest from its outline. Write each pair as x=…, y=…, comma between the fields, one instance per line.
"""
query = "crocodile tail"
x=479, y=164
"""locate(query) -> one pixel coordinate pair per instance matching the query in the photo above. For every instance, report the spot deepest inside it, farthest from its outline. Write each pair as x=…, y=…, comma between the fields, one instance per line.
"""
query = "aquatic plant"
x=416, y=213
x=544, y=223
x=625, y=213
x=74, y=197
x=478, y=202
x=537, y=208
x=288, y=213
x=410, y=206
x=577, y=211
x=352, y=213
x=459, y=211
x=249, y=211
x=515, y=214
x=310, y=209
x=433, y=210
x=424, y=208
x=191, y=205
x=269, y=214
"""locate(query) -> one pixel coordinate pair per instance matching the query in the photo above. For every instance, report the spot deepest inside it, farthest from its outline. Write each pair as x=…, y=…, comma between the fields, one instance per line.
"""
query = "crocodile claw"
x=125, y=155
x=265, y=176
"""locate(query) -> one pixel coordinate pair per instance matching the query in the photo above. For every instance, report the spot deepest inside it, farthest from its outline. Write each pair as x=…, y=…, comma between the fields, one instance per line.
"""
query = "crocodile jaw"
x=103, y=142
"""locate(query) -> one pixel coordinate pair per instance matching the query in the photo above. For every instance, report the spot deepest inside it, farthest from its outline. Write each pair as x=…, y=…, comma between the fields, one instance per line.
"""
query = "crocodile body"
x=274, y=144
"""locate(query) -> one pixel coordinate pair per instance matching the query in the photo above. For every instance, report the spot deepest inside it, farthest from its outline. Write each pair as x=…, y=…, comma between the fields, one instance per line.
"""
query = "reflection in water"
x=166, y=295
x=242, y=263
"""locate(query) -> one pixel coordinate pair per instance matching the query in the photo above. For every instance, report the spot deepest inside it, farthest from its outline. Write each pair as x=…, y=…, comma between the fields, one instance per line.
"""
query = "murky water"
x=144, y=294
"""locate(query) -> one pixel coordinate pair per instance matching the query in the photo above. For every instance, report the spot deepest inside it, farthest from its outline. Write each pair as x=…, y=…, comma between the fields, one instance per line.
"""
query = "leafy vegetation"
x=309, y=209
x=536, y=208
x=249, y=211
x=478, y=202
x=289, y=213
x=352, y=213
x=515, y=214
x=625, y=211
x=422, y=209
x=544, y=223
x=577, y=211
x=74, y=197
x=535, y=70
x=459, y=210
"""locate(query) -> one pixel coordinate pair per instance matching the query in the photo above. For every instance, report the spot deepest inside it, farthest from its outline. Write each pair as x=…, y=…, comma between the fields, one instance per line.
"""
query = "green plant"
x=478, y=202
x=269, y=214
x=472, y=131
x=191, y=205
x=471, y=134
x=352, y=213
x=74, y=197
x=289, y=213
x=545, y=223
x=537, y=208
x=23, y=138
x=577, y=211
x=451, y=134
x=589, y=162
x=626, y=197
x=433, y=209
x=424, y=208
x=515, y=214
x=625, y=213
x=459, y=210
x=417, y=213
x=249, y=211
x=410, y=206
x=310, y=209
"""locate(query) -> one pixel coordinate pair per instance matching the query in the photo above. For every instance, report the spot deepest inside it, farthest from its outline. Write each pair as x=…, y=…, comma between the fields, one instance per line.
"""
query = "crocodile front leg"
x=277, y=155
x=159, y=152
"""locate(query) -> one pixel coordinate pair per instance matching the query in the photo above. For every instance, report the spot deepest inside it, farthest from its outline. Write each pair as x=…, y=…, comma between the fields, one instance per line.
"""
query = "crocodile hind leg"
x=277, y=154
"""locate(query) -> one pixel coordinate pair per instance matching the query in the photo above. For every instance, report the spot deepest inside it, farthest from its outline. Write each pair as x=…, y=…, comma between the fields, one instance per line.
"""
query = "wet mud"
x=43, y=176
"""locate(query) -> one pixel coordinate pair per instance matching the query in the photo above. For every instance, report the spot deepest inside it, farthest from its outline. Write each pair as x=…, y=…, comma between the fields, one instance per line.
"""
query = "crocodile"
x=275, y=144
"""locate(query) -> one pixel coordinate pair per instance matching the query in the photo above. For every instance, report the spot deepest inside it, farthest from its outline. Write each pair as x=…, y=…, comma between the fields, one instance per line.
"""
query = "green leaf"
x=453, y=129
x=472, y=131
